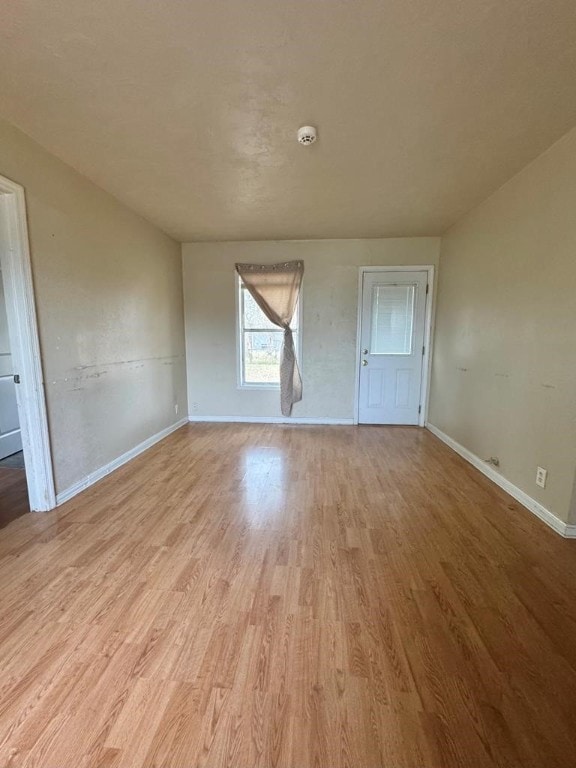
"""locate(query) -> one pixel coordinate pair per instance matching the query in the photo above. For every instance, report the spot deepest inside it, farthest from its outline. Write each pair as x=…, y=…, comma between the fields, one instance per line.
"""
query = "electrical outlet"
x=176, y=408
x=541, y=475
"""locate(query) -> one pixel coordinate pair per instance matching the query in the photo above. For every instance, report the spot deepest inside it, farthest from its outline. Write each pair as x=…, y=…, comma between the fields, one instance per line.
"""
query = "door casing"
x=426, y=363
x=25, y=346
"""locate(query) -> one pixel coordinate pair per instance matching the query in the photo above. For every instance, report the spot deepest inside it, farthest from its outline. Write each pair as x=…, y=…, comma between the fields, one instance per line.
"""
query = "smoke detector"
x=307, y=135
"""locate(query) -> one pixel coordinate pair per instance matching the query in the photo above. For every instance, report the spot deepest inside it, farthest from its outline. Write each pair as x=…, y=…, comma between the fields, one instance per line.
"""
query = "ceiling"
x=187, y=110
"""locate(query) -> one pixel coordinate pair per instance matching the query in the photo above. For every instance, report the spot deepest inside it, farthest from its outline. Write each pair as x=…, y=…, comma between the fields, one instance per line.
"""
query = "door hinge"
x=427, y=286
x=423, y=350
x=419, y=409
x=16, y=379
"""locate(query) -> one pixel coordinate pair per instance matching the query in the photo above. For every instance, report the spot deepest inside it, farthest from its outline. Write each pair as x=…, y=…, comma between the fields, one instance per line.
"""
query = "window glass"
x=392, y=319
x=253, y=315
x=262, y=357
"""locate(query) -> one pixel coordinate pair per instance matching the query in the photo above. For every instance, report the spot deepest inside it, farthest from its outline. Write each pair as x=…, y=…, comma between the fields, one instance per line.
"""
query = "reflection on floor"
x=289, y=596
x=16, y=461
x=13, y=492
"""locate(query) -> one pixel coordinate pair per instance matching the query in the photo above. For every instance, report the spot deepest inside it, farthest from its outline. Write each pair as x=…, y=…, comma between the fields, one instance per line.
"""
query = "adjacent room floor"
x=13, y=489
x=15, y=461
x=247, y=595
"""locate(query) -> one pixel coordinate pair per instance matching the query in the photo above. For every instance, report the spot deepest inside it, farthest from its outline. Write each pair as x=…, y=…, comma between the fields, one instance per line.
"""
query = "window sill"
x=269, y=387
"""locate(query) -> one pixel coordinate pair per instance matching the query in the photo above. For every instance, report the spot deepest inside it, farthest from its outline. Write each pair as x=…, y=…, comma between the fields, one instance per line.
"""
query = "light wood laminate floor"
x=247, y=595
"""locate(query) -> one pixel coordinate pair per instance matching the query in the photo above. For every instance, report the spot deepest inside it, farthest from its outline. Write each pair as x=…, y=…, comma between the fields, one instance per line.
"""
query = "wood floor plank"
x=287, y=596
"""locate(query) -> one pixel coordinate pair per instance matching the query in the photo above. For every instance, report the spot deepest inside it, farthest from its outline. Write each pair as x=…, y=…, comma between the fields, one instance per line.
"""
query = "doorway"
x=10, y=434
x=13, y=493
x=23, y=420
x=394, y=321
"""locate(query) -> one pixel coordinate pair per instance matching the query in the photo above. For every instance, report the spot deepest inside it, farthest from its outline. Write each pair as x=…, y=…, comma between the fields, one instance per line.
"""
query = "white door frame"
x=25, y=347
x=426, y=362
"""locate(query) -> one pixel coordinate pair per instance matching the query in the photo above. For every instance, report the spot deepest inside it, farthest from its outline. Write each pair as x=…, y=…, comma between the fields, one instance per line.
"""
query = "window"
x=260, y=343
x=392, y=319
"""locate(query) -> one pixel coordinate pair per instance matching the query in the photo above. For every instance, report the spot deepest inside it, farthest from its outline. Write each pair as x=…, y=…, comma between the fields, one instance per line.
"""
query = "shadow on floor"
x=16, y=461
x=13, y=493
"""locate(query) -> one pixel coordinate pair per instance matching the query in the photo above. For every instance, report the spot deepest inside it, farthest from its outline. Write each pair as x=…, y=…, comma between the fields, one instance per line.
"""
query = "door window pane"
x=392, y=319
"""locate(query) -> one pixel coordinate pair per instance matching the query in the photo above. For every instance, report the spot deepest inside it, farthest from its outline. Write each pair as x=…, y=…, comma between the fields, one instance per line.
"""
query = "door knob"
x=364, y=351
x=364, y=362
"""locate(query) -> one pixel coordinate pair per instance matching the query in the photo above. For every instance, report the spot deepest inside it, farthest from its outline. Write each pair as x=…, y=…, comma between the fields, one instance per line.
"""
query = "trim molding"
x=568, y=531
x=271, y=420
x=98, y=474
x=23, y=332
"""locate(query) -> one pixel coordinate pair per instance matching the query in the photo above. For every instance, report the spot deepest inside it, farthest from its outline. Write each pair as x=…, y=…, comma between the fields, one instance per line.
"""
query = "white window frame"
x=241, y=384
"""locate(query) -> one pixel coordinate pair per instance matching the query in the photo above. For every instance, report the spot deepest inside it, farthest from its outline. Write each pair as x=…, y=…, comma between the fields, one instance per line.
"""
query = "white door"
x=392, y=346
x=10, y=436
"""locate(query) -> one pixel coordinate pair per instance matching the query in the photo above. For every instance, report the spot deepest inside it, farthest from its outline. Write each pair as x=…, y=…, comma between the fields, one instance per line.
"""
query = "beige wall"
x=330, y=295
x=504, y=368
x=109, y=298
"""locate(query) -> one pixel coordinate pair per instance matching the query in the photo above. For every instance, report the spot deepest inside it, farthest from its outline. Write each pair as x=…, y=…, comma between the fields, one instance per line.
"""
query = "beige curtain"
x=275, y=288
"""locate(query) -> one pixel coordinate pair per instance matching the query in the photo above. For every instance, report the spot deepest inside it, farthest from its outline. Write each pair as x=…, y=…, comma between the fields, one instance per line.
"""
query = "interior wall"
x=108, y=289
x=329, y=321
x=504, y=358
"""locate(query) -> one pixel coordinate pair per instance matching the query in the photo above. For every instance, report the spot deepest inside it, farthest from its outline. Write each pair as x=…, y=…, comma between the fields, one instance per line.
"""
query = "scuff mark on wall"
x=127, y=362
x=132, y=364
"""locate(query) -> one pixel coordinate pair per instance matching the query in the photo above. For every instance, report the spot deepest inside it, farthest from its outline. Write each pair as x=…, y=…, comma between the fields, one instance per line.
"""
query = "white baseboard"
x=568, y=531
x=98, y=474
x=270, y=420
x=10, y=442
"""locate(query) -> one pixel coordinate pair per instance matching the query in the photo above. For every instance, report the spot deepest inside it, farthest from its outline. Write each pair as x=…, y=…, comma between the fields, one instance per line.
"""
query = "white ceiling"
x=187, y=110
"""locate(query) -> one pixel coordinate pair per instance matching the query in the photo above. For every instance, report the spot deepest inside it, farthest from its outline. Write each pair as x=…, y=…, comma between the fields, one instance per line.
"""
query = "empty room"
x=287, y=384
